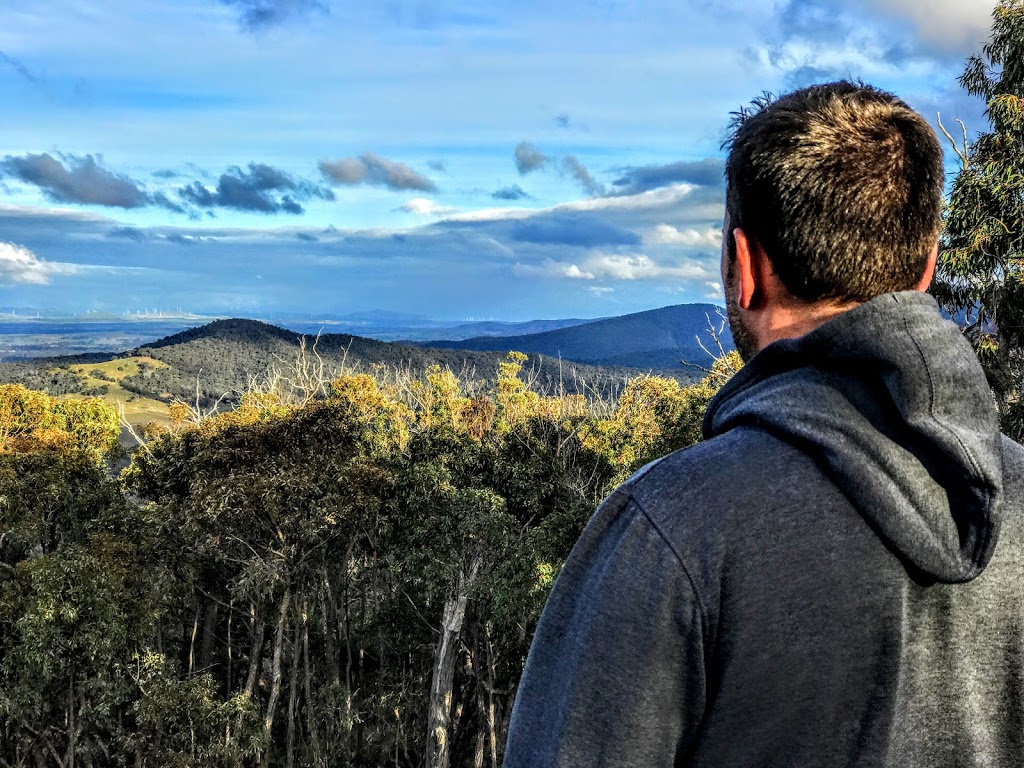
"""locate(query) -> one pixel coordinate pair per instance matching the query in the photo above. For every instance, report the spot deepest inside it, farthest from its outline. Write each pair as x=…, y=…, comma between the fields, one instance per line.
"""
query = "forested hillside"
x=218, y=361
x=349, y=578
x=661, y=339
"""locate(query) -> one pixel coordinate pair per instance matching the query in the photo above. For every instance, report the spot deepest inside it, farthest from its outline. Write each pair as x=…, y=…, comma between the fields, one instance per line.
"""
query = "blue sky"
x=455, y=159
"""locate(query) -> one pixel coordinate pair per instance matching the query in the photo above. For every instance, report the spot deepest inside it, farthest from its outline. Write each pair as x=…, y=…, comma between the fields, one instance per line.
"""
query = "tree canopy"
x=348, y=579
x=980, y=276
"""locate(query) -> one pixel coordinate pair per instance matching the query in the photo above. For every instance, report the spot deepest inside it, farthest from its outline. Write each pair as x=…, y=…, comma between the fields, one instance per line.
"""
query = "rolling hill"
x=229, y=356
x=659, y=339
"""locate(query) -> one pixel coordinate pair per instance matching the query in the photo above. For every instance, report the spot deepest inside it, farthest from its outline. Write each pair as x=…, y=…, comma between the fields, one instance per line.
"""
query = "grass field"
x=138, y=410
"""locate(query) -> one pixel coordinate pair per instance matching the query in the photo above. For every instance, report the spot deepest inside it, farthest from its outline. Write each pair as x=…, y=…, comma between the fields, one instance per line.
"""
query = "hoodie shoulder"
x=737, y=502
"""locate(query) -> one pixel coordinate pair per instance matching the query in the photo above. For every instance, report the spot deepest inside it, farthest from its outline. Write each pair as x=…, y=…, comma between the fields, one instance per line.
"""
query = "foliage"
x=348, y=579
x=32, y=421
x=80, y=585
x=981, y=265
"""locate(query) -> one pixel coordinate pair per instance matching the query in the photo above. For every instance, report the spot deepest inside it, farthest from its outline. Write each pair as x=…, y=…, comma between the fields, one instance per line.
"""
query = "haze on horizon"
x=441, y=157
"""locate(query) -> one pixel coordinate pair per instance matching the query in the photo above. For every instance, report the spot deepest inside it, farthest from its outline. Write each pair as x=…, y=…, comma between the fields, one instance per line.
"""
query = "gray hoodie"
x=834, y=577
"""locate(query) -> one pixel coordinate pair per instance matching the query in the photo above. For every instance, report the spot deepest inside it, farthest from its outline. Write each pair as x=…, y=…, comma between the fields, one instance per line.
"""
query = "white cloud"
x=871, y=36
x=952, y=25
x=20, y=265
x=39, y=212
x=552, y=268
x=641, y=267
x=655, y=198
x=423, y=206
x=614, y=266
x=666, y=234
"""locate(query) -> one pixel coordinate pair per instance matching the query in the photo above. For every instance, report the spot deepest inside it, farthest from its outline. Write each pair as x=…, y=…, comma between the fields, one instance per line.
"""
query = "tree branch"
x=963, y=154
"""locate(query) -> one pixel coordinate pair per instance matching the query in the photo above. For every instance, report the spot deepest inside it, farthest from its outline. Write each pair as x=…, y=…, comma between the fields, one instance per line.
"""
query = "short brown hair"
x=841, y=184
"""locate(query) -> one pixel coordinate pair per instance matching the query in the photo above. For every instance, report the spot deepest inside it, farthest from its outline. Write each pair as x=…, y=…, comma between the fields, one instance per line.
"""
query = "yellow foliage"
x=386, y=420
x=440, y=398
x=180, y=413
x=655, y=416
x=33, y=421
x=515, y=401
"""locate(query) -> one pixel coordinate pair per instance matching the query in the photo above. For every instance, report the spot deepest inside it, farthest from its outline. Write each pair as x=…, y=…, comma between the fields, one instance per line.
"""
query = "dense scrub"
x=351, y=576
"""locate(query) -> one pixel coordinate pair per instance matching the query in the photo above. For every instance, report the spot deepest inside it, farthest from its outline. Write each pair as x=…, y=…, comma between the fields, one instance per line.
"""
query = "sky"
x=459, y=159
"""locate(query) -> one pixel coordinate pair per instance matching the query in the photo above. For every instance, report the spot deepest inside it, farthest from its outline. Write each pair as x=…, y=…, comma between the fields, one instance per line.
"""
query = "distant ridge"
x=658, y=338
x=228, y=355
x=501, y=328
x=232, y=329
x=231, y=355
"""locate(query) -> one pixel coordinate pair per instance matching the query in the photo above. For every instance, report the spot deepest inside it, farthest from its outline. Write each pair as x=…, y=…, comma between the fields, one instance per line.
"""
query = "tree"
x=79, y=586
x=981, y=264
x=33, y=421
x=351, y=578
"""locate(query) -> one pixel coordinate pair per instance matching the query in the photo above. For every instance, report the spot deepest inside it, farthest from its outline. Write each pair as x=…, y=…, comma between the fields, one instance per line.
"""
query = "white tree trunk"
x=439, y=718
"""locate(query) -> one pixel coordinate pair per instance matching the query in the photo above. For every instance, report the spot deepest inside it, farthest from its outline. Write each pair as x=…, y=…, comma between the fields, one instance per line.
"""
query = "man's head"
x=837, y=190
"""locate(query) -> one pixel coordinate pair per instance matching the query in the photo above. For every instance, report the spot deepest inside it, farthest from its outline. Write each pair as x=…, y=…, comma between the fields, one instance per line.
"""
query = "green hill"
x=659, y=339
x=226, y=357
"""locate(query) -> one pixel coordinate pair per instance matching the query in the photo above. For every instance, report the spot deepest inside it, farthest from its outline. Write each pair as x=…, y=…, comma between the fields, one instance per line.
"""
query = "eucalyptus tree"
x=981, y=266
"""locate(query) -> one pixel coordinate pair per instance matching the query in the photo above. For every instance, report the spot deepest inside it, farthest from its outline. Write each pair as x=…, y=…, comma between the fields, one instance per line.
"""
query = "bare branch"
x=130, y=428
x=964, y=153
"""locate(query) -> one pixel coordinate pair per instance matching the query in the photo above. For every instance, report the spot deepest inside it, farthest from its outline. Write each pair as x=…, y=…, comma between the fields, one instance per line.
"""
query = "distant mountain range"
x=661, y=339
x=96, y=331
x=229, y=356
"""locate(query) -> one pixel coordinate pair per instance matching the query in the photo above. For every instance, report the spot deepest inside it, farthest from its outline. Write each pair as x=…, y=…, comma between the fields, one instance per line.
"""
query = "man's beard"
x=742, y=337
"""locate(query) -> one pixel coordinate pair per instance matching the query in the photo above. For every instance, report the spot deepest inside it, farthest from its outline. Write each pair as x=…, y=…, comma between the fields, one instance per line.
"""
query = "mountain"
x=658, y=339
x=499, y=328
x=230, y=356
x=416, y=329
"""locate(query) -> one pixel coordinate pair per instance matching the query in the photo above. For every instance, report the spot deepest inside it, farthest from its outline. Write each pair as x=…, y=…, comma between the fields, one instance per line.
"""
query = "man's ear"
x=751, y=270
x=929, y=270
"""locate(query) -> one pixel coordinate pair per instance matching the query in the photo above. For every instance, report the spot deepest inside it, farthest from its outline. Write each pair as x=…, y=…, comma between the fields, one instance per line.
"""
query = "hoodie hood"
x=889, y=399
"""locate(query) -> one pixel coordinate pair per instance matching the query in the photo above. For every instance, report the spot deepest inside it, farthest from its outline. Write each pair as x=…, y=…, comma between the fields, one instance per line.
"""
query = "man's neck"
x=797, y=319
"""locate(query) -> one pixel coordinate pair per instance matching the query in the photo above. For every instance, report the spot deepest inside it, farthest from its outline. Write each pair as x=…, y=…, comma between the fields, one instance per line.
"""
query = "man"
x=836, y=575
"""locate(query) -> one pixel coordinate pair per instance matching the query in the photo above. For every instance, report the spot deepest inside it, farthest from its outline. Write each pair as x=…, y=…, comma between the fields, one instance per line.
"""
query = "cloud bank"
x=664, y=241
x=20, y=265
x=74, y=179
x=706, y=173
x=262, y=189
x=370, y=168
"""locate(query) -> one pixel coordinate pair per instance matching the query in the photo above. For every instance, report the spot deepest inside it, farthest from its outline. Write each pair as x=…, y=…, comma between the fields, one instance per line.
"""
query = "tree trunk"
x=481, y=736
x=255, y=653
x=255, y=660
x=293, y=691
x=311, y=724
x=230, y=649
x=492, y=724
x=72, y=727
x=192, y=642
x=275, y=682
x=209, y=635
x=440, y=701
